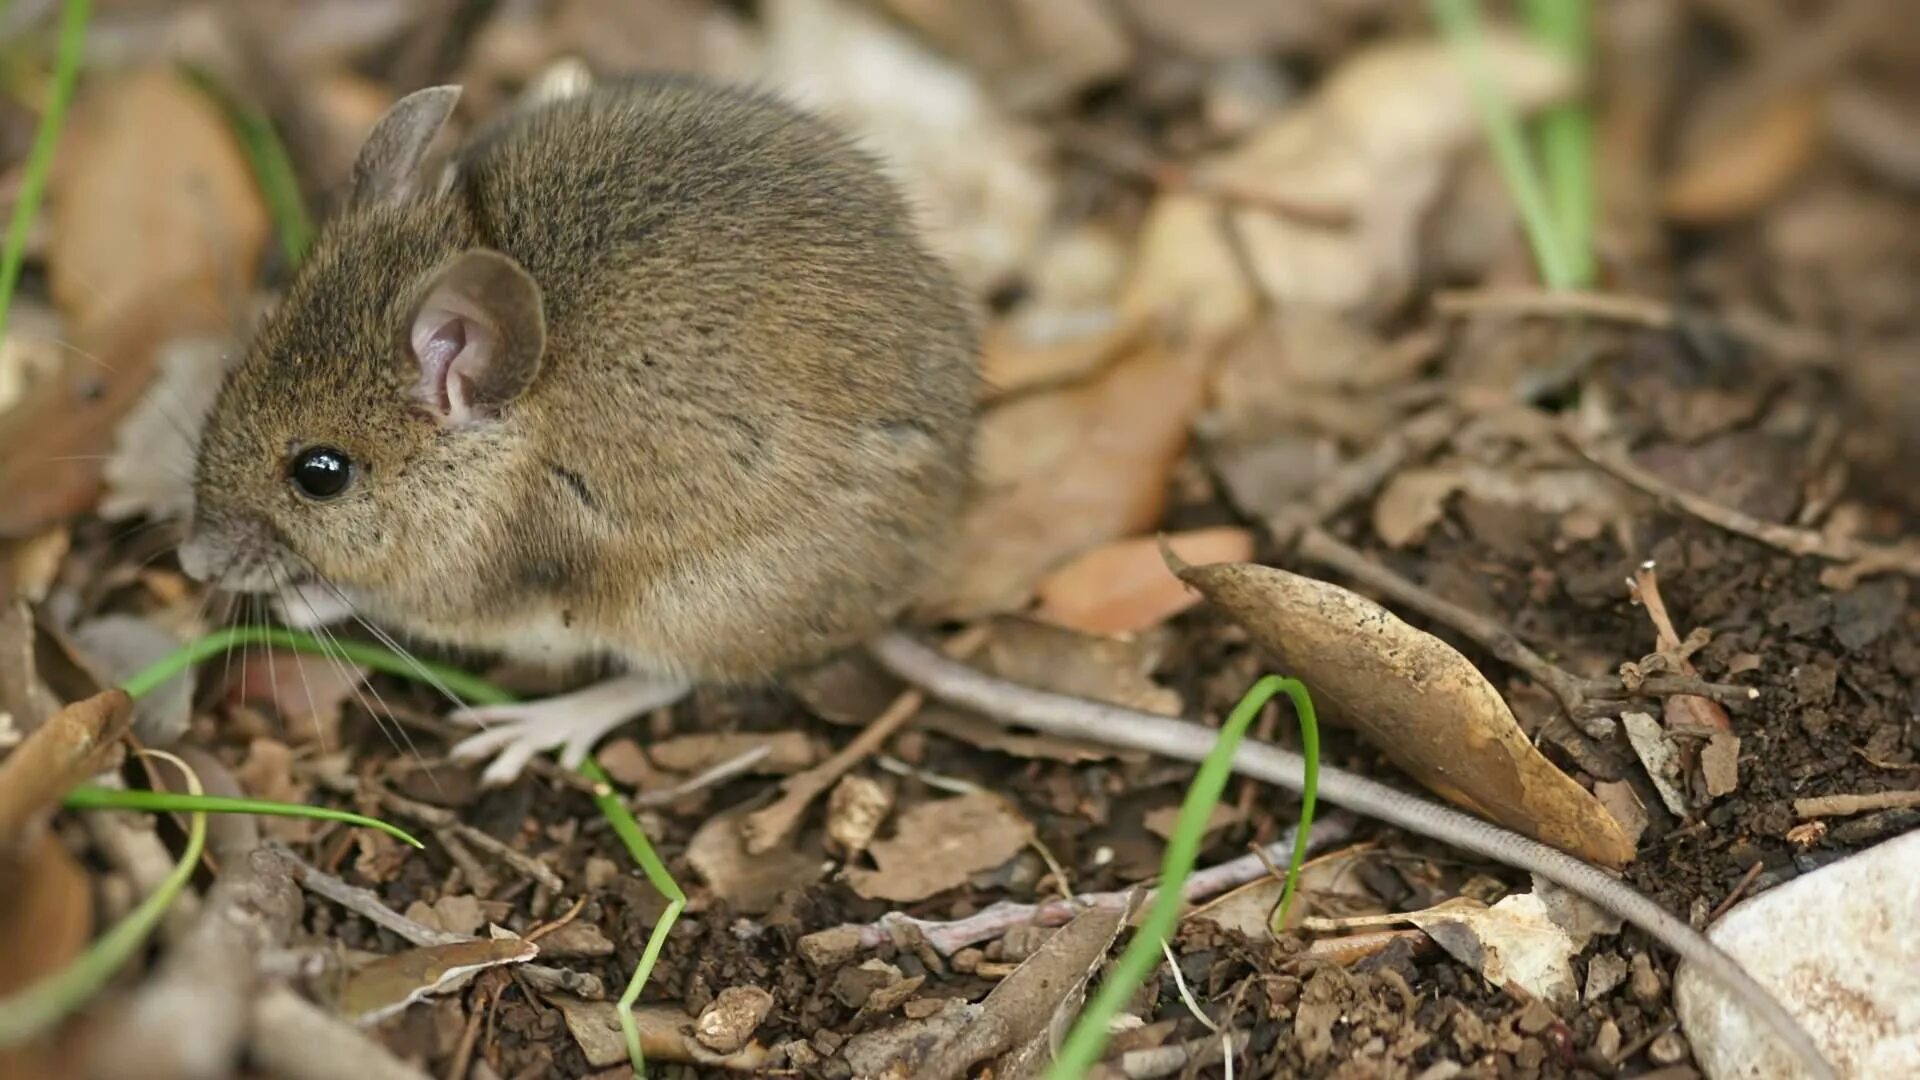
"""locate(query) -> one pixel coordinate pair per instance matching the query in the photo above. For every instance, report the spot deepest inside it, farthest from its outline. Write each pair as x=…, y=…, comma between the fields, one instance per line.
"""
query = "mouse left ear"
x=388, y=168
x=477, y=333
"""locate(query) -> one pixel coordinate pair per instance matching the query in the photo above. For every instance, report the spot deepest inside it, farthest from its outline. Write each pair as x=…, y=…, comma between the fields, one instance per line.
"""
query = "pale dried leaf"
x=1417, y=700
x=1735, y=174
x=1063, y=471
x=978, y=178
x=1656, y=750
x=937, y=845
x=151, y=157
x=1125, y=587
x=750, y=884
x=386, y=986
x=1513, y=941
x=1412, y=502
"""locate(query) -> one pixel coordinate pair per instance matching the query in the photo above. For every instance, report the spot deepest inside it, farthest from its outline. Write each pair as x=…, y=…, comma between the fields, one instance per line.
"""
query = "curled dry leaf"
x=936, y=845
x=46, y=919
x=1516, y=940
x=58, y=754
x=387, y=985
x=1065, y=470
x=1372, y=149
x=1125, y=587
x=1733, y=175
x=1415, y=698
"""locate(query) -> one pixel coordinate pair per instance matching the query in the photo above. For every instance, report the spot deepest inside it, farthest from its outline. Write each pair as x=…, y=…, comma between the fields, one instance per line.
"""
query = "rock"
x=1849, y=970
x=729, y=1020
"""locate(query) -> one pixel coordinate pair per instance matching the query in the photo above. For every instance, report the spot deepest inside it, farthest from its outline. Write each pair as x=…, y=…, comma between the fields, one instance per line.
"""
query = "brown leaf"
x=1125, y=587
x=1416, y=699
x=57, y=755
x=387, y=985
x=1063, y=471
x=936, y=845
x=1733, y=175
x=788, y=751
x=156, y=197
x=46, y=919
x=1035, y=52
x=750, y=884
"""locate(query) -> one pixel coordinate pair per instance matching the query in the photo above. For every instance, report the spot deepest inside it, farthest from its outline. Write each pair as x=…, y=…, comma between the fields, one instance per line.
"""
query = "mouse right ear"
x=477, y=332
x=388, y=168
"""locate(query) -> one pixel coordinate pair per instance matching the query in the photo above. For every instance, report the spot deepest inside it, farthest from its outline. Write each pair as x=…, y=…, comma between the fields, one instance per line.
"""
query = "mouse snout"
x=242, y=555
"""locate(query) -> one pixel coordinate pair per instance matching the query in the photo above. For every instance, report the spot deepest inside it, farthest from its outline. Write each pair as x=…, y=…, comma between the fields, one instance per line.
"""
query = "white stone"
x=1841, y=949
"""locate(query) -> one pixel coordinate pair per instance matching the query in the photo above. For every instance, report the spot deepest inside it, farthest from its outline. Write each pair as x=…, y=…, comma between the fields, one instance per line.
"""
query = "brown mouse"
x=659, y=372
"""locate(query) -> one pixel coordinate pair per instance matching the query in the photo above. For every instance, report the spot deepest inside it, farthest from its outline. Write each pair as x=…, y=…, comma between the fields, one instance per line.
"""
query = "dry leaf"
x=1661, y=757
x=977, y=178
x=387, y=985
x=1063, y=471
x=1513, y=941
x=149, y=472
x=307, y=690
x=1063, y=661
x=1125, y=587
x=1735, y=174
x=268, y=774
x=856, y=809
x=936, y=845
x=1161, y=821
x=54, y=757
x=156, y=198
x=1412, y=502
x=1373, y=147
x=46, y=920
x=117, y=647
x=1417, y=700
x=787, y=751
x=1035, y=53
x=751, y=884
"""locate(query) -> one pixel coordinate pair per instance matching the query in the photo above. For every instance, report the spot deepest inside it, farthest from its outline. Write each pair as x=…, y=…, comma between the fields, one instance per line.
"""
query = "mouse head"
x=361, y=437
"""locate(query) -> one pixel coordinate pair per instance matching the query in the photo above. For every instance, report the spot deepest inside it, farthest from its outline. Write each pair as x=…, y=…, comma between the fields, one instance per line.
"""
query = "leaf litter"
x=1205, y=243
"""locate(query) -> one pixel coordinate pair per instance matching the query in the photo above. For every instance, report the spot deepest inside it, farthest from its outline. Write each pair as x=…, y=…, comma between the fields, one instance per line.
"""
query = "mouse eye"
x=321, y=472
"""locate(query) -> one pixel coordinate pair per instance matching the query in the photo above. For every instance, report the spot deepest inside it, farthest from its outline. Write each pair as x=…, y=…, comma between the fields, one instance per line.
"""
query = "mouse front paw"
x=572, y=722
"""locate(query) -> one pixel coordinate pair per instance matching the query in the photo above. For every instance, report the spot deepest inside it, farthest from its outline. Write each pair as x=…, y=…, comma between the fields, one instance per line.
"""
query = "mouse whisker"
x=424, y=673
x=313, y=708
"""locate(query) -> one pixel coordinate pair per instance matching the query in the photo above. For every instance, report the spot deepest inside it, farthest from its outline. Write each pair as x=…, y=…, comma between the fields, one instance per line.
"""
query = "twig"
x=1691, y=710
x=718, y=774
x=1776, y=339
x=437, y=818
x=1858, y=558
x=1843, y=805
x=296, y=1040
x=1175, y=178
x=364, y=903
x=1739, y=889
x=1417, y=438
x=1579, y=696
x=948, y=938
x=768, y=825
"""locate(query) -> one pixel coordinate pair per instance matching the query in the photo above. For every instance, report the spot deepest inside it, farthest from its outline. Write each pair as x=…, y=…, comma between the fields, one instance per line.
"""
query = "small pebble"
x=1535, y=1018
x=1644, y=982
x=728, y=1022
x=1669, y=1049
x=1605, y=973
x=1606, y=1041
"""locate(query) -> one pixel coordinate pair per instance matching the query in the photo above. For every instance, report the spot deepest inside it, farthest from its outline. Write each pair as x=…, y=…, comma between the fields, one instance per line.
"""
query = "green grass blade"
x=1089, y=1035
x=46, y=1002
x=1460, y=21
x=476, y=691
x=1309, y=791
x=88, y=797
x=271, y=168
x=73, y=39
x=1566, y=134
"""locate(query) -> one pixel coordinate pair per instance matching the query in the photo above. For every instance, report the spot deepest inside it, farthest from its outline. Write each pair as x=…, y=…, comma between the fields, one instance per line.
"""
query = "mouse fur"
x=743, y=444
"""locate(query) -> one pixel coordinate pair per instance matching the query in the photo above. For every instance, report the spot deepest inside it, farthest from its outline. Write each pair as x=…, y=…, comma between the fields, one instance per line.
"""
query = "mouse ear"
x=388, y=168
x=477, y=333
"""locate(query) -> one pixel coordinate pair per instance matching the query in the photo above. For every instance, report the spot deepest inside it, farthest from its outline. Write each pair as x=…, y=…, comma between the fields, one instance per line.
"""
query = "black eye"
x=321, y=472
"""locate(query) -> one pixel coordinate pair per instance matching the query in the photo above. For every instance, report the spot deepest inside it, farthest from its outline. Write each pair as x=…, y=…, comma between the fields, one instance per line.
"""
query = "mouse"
x=660, y=372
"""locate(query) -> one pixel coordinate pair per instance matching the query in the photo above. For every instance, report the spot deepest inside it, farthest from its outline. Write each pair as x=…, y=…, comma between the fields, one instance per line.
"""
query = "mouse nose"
x=243, y=555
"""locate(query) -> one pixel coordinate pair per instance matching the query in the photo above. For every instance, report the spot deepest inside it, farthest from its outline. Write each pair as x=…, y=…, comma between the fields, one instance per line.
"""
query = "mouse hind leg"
x=571, y=722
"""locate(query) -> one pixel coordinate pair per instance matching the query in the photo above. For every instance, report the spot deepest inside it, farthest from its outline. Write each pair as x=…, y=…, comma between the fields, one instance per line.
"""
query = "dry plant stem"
x=1739, y=890
x=364, y=903
x=1355, y=480
x=1843, y=805
x=718, y=774
x=1777, y=339
x=295, y=1040
x=1579, y=696
x=1690, y=709
x=1859, y=558
x=1076, y=718
x=947, y=938
x=436, y=818
x=769, y=825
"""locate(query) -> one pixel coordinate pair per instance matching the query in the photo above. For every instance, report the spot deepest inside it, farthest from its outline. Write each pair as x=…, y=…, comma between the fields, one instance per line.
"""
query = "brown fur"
x=747, y=442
